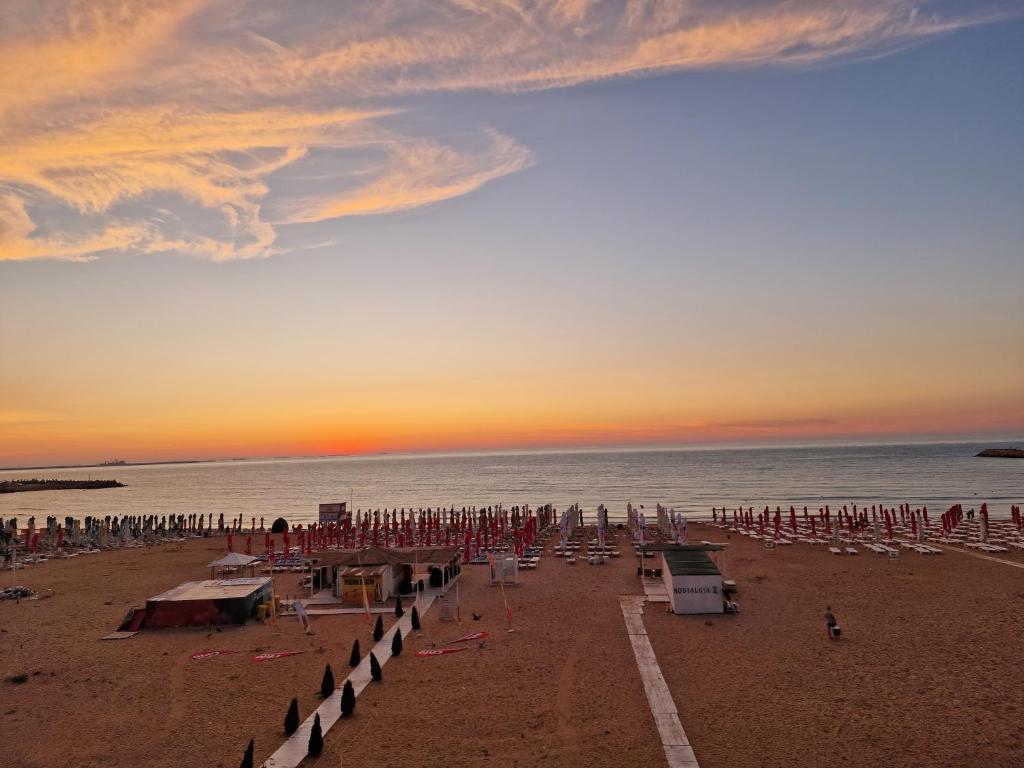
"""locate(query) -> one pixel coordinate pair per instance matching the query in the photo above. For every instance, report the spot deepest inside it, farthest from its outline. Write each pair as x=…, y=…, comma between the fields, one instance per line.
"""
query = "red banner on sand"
x=468, y=638
x=211, y=654
x=428, y=653
x=278, y=655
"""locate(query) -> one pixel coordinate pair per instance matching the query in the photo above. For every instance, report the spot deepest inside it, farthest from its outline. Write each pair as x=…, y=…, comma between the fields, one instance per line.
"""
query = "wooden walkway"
x=654, y=591
x=678, y=751
x=295, y=748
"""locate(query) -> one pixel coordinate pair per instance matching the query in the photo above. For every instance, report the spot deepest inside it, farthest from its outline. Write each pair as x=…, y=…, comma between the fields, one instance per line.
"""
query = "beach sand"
x=927, y=672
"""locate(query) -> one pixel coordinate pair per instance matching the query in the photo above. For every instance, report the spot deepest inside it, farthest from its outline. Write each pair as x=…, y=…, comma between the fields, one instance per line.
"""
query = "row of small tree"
x=348, y=694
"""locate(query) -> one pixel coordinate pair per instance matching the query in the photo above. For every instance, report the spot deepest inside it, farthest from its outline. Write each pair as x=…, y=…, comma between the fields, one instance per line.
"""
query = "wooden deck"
x=295, y=748
x=678, y=752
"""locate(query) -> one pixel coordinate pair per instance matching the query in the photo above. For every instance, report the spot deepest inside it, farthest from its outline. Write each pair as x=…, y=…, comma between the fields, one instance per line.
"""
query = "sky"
x=244, y=228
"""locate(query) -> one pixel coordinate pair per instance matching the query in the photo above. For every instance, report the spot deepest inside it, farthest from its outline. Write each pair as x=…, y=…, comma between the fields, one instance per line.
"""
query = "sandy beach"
x=926, y=673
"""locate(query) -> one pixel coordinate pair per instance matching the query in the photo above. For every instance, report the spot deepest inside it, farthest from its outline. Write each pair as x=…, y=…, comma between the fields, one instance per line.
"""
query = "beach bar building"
x=692, y=580
x=200, y=603
x=382, y=570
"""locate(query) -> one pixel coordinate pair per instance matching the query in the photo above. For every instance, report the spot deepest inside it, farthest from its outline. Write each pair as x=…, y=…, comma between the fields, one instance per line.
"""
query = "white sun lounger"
x=835, y=550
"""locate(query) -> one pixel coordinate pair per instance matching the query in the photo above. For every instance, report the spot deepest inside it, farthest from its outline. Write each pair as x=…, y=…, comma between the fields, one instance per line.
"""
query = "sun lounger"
x=835, y=550
x=851, y=550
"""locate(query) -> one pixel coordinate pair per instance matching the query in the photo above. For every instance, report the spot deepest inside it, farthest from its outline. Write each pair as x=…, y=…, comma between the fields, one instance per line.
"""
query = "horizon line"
x=839, y=442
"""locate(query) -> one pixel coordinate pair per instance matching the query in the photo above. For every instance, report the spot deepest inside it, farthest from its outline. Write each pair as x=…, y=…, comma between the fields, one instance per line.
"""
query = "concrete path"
x=677, y=748
x=295, y=748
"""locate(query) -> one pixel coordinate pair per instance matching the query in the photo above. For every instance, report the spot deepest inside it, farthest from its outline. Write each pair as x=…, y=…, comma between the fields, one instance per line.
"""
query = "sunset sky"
x=254, y=228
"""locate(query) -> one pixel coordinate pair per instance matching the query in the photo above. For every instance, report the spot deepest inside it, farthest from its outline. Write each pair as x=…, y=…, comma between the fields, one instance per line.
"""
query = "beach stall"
x=199, y=603
x=692, y=580
x=376, y=580
x=233, y=562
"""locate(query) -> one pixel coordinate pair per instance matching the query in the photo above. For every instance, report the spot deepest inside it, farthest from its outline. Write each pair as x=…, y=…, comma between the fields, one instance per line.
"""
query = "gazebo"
x=234, y=561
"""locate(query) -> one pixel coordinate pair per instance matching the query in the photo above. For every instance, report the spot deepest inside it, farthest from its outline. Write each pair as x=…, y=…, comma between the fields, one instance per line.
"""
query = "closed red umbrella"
x=231, y=545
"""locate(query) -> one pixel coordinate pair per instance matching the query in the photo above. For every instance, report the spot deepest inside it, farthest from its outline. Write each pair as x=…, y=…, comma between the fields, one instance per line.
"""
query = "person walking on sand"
x=300, y=611
x=831, y=626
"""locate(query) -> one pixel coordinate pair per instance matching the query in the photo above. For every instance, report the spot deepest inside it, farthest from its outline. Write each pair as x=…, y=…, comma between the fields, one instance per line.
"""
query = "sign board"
x=332, y=513
x=696, y=594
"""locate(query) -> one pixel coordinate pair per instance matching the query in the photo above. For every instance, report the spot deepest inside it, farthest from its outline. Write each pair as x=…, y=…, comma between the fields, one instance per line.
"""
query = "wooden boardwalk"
x=674, y=741
x=295, y=748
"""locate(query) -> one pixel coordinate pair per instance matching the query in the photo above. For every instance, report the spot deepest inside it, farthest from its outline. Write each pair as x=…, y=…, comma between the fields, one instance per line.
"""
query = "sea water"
x=690, y=480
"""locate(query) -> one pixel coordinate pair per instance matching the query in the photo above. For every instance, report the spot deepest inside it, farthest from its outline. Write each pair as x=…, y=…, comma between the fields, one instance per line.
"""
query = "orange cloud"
x=108, y=105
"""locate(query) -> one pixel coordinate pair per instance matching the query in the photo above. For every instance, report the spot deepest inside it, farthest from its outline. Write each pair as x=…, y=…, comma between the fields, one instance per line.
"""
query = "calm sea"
x=935, y=476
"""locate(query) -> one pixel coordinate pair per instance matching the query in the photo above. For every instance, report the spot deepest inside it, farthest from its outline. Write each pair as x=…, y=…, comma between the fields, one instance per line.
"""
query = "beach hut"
x=692, y=580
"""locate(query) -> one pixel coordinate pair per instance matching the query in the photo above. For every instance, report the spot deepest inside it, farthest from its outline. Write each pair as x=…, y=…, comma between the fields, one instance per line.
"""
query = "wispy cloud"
x=417, y=173
x=162, y=125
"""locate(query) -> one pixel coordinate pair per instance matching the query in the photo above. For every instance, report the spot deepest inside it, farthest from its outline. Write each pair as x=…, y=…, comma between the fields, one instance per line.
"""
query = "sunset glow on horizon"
x=243, y=229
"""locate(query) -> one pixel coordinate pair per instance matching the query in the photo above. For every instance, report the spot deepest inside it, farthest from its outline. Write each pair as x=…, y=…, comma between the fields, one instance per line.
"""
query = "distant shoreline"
x=108, y=466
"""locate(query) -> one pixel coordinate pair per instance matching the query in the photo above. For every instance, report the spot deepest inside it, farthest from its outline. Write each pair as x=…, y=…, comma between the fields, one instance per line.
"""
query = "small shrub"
x=378, y=629
x=327, y=684
x=291, y=720
x=399, y=611
x=247, y=757
x=415, y=619
x=348, y=699
x=376, y=673
x=316, y=738
x=396, y=643
x=353, y=660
